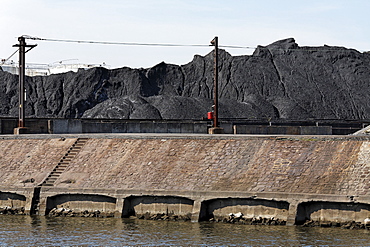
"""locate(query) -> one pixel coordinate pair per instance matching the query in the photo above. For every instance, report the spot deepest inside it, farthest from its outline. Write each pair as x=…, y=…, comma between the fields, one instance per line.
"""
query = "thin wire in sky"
x=5, y=60
x=113, y=43
x=175, y=45
x=133, y=43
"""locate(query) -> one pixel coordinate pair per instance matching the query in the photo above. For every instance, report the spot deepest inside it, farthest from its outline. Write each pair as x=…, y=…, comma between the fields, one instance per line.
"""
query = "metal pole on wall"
x=214, y=42
x=22, y=72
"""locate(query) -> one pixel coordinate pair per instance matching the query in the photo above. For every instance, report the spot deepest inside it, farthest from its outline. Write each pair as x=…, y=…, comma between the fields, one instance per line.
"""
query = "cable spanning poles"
x=131, y=43
x=114, y=43
x=311, y=49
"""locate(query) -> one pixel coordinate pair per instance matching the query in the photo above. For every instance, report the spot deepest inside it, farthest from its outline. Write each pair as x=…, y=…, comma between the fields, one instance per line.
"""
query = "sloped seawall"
x=199, y=177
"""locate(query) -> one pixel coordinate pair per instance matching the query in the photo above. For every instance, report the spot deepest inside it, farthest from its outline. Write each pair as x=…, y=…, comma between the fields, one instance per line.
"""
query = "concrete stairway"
x=64, y=162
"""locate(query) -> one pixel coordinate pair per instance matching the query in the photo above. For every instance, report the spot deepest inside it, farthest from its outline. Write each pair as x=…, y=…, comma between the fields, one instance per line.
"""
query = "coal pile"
x=278, y=81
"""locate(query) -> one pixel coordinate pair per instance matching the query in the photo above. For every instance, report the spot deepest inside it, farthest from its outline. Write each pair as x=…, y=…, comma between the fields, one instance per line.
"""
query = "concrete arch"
x=167, y=205
x=13, y=200
x=325, y=211
x=251, y=208
x=82, y=202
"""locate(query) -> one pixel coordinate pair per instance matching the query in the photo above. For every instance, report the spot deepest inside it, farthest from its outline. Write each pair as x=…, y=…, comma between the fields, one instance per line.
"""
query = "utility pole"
x=216, y=129
x=214, y=43
x=22, y=72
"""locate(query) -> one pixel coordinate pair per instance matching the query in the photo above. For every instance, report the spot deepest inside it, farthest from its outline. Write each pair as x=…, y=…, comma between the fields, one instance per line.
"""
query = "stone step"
x=82, y=139
x=77, y=146
x=69, y=156
x=59, y=169
x=56, y=172
x=62, y=165
x=67, y=159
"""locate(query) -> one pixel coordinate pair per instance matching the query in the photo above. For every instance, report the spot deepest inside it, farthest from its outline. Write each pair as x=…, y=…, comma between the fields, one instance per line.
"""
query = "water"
x=37, y=230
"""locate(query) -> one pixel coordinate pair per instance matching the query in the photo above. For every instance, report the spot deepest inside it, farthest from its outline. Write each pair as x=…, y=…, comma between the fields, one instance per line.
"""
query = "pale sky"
x=236, y=22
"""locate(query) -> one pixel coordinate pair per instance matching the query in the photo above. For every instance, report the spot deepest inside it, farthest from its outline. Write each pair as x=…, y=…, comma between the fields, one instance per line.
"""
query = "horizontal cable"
x=304, y=48
x=114, y=43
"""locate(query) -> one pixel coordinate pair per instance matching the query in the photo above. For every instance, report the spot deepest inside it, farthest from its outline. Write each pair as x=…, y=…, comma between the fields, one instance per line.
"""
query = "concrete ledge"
x=216, y=130
x=21, y=130
x=197, y=205
x=187, y=136
x=158, y=201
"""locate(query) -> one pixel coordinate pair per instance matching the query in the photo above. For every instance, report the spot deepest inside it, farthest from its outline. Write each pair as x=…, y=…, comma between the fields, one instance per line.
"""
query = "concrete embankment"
x=291, y=179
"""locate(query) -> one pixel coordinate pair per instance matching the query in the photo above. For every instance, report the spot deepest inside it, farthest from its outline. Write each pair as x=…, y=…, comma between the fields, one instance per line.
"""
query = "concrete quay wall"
x=292, y=178
x=83, y=126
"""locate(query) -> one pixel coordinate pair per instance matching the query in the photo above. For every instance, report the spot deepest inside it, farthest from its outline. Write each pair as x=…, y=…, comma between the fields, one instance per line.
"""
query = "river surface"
x=45, y=231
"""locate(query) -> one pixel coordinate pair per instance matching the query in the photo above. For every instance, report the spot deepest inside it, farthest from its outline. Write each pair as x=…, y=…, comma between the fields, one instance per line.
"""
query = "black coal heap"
x=279, y=81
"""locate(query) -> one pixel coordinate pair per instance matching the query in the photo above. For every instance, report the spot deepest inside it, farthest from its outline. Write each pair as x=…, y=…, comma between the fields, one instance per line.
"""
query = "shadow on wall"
x=167, y=205
x=332, y=211
x=8, y=199
x=249, y=208
x=81, y=202
x=244, y=210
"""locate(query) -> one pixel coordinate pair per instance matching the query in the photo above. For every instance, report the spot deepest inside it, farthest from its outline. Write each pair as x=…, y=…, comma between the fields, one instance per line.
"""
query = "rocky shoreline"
x=241, y=219
x=162, y=216
x=66, y=212
x=344, y=225
x=232, y=219
x=12, y=211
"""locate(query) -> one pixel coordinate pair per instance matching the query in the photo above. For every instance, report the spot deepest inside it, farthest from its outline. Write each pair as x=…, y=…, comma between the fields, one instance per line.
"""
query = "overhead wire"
x=115, y=43
x=330, y=48
x=134, y=43
x=5, y=60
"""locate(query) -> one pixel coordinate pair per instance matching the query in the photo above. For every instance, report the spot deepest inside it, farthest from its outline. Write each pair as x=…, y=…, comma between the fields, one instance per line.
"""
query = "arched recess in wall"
x=81, y=202
x=250, y=208
x=324, y=211
x=8, y=199
x=167, y=205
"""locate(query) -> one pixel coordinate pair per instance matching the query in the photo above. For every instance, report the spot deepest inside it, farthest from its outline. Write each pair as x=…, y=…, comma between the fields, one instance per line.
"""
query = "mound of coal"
x=279, y=81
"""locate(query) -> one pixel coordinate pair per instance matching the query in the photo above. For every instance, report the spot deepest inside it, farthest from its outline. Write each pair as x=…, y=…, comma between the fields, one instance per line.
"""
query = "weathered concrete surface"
x=290, y=165
x=81, y=203
x=231, y=126
x=26, y=162
x=293, y=178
